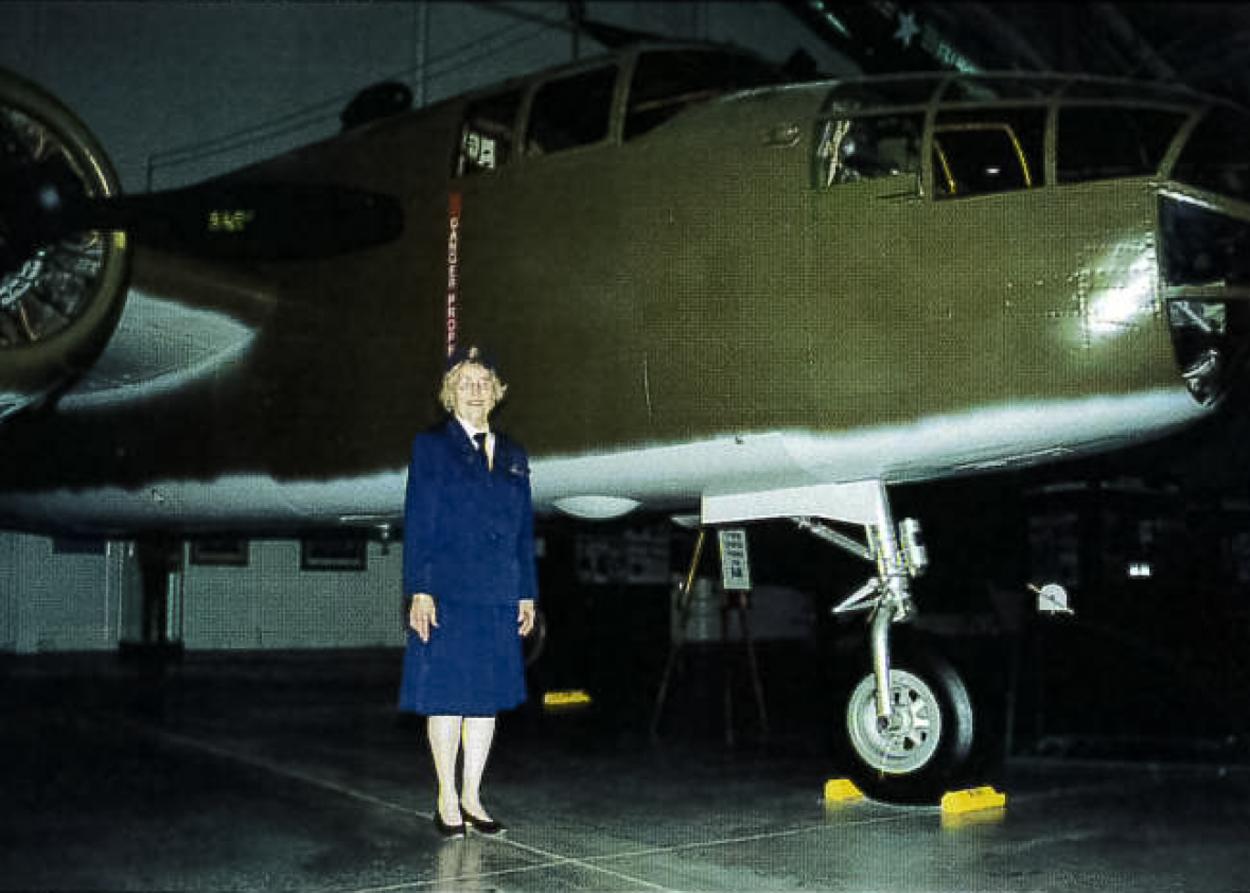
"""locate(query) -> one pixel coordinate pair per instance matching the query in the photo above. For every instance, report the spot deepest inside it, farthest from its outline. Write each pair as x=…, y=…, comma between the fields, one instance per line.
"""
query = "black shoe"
x=486, y=827
x=445, y=830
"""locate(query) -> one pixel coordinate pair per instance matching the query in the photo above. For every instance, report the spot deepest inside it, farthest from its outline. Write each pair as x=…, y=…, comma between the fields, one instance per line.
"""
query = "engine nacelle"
x=60, y=296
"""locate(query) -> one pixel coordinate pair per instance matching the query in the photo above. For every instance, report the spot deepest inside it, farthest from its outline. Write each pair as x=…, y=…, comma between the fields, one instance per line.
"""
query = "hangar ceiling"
x=1202, y=45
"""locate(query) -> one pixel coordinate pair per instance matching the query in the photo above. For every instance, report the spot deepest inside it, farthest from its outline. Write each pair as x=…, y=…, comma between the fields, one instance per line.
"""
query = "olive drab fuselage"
x=739, y=295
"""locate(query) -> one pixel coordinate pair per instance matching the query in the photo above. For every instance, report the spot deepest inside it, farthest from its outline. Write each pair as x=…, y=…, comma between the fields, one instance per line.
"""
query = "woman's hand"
x=525, y=616
x=422, y=615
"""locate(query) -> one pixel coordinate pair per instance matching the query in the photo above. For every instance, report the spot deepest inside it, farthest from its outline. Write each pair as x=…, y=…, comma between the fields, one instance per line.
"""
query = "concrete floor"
x=295, y=773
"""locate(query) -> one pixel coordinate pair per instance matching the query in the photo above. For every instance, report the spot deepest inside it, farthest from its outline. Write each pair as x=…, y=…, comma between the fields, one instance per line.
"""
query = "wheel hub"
x=909, y=737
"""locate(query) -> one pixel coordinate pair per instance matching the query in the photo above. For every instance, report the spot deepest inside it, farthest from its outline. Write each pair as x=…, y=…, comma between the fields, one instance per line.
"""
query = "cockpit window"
x=1217, y=154
x=571, y=111
x=852, y=149
x=665, y=82
x=486, y=133
x=980, y=151
x=1106, y=141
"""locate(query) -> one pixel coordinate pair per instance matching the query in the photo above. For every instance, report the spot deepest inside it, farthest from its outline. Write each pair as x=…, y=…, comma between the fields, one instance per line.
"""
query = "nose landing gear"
x=908, y=722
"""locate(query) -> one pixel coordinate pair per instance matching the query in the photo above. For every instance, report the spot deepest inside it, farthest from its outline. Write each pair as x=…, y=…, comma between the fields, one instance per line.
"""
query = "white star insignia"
x=907, y=28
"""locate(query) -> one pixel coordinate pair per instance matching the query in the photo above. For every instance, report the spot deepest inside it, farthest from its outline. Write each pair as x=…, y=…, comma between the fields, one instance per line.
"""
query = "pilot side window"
x=849, y=150
x=1217, y=154
x=980, y=151
x=1107, y=141
x=665, y=82
x=486, y=133
x=573, y=111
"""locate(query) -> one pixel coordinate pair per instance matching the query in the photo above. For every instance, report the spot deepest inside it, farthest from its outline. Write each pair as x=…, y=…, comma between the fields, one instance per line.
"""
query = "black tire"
x=936, y=748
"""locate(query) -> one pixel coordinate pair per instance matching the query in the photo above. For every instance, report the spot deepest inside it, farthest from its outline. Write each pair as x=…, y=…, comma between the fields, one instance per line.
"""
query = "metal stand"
x=736, y=602
x=731, y=602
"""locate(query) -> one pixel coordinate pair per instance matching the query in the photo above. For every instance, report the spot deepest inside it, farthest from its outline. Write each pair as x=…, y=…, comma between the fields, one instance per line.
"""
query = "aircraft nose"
x=1204, y=251
x=1205, y=267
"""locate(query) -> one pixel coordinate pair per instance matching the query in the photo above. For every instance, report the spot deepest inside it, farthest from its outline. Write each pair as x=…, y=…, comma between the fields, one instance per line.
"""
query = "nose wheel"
x=923, y=746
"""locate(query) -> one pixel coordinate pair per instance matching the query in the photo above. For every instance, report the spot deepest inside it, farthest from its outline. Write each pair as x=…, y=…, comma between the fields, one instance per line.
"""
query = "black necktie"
x=480, y=441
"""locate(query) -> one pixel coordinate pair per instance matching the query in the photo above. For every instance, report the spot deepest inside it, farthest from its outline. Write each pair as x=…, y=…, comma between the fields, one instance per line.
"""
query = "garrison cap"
x=471, y=354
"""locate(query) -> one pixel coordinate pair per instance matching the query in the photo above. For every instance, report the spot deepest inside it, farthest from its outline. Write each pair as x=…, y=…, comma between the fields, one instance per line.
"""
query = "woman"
x=469, y=569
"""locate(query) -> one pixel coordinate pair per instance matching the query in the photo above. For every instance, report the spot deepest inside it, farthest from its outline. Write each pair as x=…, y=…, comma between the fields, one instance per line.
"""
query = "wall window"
x=226, y=551
x=75, y=545
x=486, y=134
x=333, y=553
x=572, y=111
x=852, y=149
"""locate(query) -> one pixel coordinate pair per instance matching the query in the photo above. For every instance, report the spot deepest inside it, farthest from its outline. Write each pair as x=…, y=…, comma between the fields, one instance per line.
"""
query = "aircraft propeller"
x=234, y=220
x=67, y=231
x=60, y=201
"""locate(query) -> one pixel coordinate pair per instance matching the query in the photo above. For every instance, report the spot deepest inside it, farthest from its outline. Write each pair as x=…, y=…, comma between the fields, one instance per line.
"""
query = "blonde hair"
x=451, y=380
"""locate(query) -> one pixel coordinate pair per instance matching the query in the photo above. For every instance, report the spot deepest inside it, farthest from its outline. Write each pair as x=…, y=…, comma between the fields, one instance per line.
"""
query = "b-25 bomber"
x=710, y=287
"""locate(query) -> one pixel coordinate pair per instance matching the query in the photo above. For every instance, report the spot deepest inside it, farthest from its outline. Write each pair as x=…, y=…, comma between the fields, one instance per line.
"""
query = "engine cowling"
x=60, y=295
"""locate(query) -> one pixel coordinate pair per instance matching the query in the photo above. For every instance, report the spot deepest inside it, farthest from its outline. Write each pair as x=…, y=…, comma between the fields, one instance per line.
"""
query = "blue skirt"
x=472, y=665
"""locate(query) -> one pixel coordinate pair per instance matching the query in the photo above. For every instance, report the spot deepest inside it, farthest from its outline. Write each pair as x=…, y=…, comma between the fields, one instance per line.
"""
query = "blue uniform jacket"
x=468, y=532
